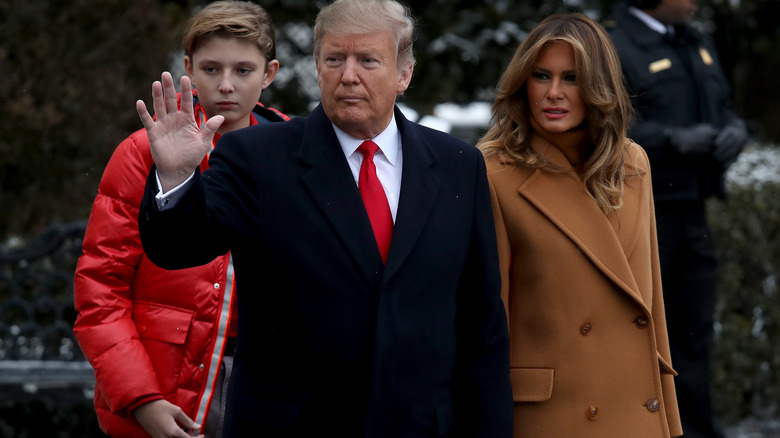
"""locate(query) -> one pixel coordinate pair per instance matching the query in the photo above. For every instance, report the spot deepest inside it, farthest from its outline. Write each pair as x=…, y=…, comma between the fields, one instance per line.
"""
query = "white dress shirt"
x=651, y=22
x=388, y=160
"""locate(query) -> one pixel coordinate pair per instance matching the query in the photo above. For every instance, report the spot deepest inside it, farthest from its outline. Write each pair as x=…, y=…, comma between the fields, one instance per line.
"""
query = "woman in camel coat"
x=577, y=241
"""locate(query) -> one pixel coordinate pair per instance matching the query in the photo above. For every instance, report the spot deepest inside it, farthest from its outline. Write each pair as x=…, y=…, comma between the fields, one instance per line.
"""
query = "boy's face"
x=229, y=75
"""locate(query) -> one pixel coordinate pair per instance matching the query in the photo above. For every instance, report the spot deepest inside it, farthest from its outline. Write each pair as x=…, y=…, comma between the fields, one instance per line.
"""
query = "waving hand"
x=178, y=145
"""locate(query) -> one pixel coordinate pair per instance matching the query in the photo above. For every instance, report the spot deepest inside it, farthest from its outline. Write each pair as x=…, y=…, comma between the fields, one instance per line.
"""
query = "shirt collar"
x=651, y=22
x=389, y=142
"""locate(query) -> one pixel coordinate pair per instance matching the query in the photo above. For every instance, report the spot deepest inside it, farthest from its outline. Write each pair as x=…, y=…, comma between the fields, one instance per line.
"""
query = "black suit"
x=331, y=342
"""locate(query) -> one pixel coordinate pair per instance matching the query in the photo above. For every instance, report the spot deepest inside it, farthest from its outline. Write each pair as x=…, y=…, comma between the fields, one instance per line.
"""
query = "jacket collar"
x=637, y=30
x=607, y=240
x=330, y=182
x=645, y=36
x=419, y=188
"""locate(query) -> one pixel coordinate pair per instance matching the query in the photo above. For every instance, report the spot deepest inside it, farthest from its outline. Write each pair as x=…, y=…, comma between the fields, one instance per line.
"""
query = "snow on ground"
x=754, y=429
x=756, y=165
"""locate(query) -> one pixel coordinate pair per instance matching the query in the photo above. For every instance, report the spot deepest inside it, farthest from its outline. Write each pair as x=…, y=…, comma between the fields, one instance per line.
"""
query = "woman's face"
x=553, y=93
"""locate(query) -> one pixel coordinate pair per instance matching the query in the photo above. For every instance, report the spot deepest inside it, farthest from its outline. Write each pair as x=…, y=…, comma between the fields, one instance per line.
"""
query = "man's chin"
x=348, y=117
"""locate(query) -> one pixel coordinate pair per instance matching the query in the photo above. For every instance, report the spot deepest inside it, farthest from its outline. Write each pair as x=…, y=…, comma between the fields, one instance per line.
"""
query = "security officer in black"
x=686, y=122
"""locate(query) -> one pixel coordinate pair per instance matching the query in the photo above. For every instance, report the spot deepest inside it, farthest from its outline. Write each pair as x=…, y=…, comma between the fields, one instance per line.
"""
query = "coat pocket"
x=165, y=324
x=163, y=332
x=531, y=384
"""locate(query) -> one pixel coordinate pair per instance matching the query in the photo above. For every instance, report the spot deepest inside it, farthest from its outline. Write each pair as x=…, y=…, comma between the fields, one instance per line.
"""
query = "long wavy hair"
x=601, y=85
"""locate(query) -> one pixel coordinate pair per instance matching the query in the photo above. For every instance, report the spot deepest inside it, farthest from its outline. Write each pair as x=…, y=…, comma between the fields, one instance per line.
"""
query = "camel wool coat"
x=582, y=290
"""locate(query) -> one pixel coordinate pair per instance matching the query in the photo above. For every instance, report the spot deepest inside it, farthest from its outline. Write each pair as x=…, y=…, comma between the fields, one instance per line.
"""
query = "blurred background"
x=70, y=73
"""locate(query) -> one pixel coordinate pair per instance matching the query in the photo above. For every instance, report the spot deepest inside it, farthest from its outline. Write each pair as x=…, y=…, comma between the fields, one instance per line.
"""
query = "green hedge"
x=746, y=227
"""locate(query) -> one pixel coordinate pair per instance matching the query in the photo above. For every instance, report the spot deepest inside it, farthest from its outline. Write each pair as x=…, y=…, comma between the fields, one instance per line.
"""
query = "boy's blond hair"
x=231, y=19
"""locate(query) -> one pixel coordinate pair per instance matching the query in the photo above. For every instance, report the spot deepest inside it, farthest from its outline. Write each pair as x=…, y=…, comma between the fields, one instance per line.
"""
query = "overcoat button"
x=201, y=366
x=585, y=329
x=216, y=285
x=653, y=405
x=593, y=413
x=641, y=321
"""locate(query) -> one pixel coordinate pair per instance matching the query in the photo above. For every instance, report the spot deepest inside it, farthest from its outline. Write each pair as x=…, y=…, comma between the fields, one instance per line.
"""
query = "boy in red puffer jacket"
x=161, y=341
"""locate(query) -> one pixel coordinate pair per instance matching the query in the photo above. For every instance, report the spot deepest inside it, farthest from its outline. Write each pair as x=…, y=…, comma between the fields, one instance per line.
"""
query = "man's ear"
x=405, y=78
x=271, y=69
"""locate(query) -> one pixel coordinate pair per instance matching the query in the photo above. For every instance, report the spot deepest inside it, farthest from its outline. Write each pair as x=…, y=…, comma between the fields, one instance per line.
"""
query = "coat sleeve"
x=483, y=395
x=504, y=248
x=192, y=232
x=111, y=251
x=659, y=320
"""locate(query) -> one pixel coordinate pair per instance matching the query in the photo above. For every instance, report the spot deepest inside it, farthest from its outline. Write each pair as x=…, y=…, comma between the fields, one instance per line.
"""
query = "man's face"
x=674, y=11
x=359, y=79
x=230, y=74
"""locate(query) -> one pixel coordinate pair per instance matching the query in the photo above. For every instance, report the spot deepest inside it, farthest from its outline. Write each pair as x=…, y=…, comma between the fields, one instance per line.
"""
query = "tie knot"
x=368, y=148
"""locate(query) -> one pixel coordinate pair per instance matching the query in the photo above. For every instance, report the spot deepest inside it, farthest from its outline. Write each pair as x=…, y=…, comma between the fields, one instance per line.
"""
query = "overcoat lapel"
x=419, y=188
x=333, y=188
x=331, y=184
x=580, y=219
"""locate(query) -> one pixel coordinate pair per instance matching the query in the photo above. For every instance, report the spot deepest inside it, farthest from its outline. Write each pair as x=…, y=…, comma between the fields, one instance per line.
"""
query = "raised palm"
x=178, y=145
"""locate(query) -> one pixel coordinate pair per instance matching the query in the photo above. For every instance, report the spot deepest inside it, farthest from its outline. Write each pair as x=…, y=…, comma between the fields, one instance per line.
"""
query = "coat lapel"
x=331, y=184
x=333, y=188
x=580, y=219
x=419, y=188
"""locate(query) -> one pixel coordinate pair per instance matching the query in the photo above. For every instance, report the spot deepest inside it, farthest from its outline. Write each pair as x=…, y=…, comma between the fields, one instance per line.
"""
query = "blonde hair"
x=601, y=85
x=345, y=17
x=231, y=19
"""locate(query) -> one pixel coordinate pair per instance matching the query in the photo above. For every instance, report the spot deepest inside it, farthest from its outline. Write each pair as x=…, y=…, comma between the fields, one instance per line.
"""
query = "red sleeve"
x=111, y=252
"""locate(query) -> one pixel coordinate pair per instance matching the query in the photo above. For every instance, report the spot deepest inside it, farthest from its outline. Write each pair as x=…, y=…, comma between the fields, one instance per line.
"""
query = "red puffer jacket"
x=147, y=332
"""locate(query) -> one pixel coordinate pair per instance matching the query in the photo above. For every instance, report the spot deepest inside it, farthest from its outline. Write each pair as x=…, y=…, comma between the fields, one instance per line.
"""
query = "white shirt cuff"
x=171, y=197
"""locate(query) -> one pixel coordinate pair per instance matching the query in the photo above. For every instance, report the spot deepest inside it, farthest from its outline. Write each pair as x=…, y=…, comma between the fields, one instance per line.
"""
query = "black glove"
x=729, y=142
x=696, y=139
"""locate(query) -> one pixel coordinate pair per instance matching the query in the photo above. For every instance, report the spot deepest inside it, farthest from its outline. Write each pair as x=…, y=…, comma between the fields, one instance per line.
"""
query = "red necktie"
x=374, y=199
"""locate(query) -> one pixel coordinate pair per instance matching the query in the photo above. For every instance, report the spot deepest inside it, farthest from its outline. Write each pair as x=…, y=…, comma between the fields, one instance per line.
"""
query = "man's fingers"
x=186, y=95
x=169, y=92
x=157, y=100
x=211, y=126
x=143, y=113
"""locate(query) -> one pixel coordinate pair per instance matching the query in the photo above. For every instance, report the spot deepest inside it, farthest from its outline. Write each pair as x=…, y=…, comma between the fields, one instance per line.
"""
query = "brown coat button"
x=653, y=405
x=641, y=321
x=593, y=412
x=585, y=329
